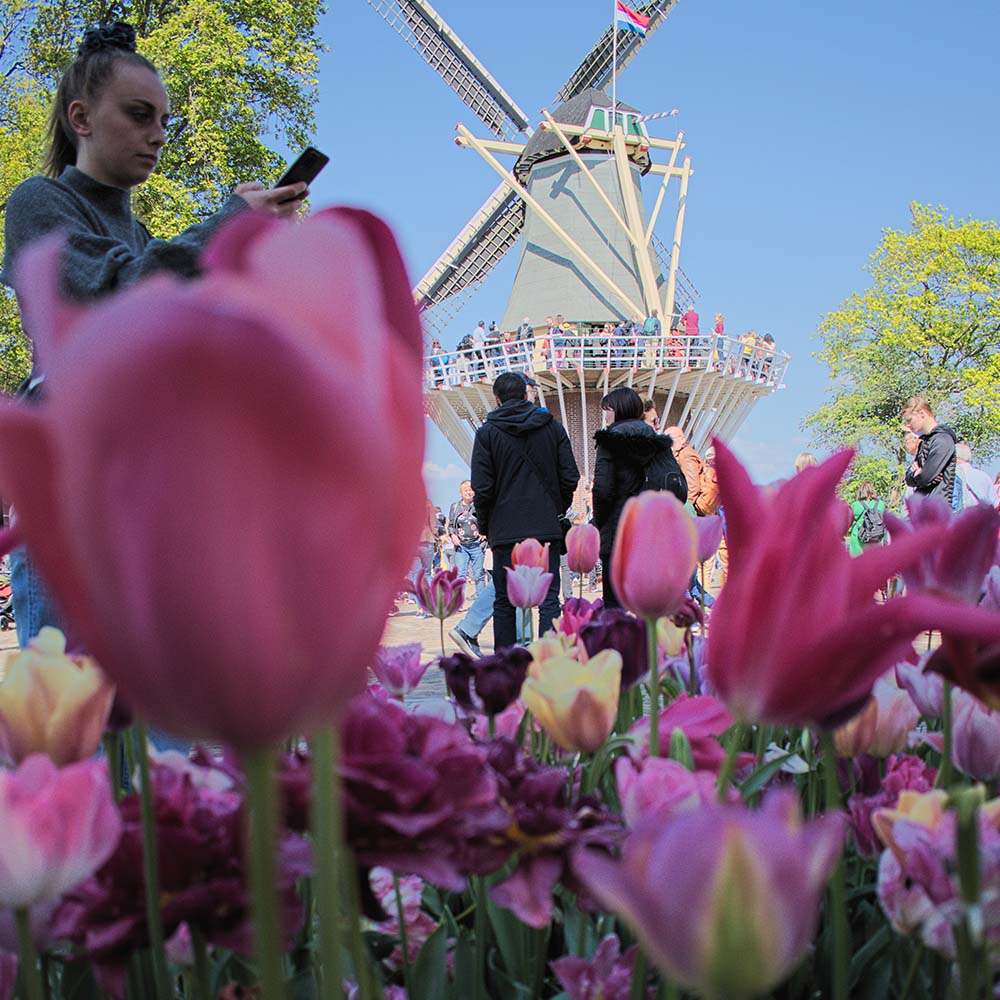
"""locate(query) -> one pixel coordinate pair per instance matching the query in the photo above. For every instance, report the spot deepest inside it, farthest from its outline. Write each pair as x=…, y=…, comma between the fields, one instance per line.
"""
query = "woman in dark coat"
x=631, y=458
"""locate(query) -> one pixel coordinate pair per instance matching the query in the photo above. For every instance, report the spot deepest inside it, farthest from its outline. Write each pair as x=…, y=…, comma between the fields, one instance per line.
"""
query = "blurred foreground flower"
x=738, y=917
x=59, y=825
x=575, y=703
x=654, y=555
x=815, y=656
x=52, y=703
x=194, y=438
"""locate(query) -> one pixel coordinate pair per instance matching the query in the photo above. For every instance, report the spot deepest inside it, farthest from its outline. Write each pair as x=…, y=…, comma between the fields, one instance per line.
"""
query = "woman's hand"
x=281, y=201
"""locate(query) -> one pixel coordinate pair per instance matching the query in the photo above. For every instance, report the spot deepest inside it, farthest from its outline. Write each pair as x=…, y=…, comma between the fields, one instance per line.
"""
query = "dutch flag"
x=630, y=19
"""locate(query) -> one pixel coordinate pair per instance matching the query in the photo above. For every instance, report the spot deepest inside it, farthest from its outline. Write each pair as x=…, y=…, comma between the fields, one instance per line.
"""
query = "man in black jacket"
x=933, y=470
x=522, y=463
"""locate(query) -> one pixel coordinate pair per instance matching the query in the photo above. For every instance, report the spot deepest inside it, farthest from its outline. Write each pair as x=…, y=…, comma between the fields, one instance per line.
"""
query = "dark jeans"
x=504, y=613
x=609, y=595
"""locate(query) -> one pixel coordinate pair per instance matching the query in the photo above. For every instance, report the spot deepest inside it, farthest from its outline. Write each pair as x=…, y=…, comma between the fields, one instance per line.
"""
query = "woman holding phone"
x=107, y=128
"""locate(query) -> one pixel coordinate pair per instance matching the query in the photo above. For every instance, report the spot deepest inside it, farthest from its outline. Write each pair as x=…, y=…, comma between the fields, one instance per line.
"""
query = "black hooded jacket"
x=936, y=458
x=625, y=451
x=512, y=503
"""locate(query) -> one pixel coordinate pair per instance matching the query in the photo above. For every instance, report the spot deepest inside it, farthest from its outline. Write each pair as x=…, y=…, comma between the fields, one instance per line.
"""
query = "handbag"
x=564, y=522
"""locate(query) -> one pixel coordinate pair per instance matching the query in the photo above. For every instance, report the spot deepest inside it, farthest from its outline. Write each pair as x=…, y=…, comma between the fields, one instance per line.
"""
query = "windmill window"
x=598, y=119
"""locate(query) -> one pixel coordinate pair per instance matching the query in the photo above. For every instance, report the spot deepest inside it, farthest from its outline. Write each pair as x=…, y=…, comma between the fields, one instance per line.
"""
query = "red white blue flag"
x=630, y=19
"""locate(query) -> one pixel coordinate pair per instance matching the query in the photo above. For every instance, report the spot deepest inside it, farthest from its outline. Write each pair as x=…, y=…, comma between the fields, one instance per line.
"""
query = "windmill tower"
x=574, y=200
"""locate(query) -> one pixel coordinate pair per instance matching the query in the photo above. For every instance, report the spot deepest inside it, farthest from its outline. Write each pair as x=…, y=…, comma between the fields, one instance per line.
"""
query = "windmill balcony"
x=588, y=358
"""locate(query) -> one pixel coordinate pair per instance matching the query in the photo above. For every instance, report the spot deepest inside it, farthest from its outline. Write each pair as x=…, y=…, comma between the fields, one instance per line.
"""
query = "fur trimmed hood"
x=634, y=441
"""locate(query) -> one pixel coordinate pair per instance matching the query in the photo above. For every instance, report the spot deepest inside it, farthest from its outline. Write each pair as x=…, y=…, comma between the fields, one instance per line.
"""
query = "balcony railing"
x=727, y=356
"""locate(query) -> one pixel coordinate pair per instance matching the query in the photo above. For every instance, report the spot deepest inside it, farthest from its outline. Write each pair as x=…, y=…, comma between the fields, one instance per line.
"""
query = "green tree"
x=929, y=325
x=237, y=72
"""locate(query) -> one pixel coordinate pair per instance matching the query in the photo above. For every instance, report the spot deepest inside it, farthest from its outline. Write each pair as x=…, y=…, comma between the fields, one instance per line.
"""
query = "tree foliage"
x=929, y=325
x=237, y=72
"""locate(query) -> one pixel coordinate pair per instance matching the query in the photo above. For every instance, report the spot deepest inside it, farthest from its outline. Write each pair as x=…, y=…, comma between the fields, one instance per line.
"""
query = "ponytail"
x=85, y=77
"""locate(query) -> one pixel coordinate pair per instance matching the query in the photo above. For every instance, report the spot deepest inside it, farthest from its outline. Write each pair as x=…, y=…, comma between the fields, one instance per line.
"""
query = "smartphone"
x=306, y=168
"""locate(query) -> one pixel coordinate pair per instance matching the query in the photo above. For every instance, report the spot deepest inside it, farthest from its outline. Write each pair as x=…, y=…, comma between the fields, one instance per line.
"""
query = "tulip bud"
x=442, y=596
x=855, y=736
x=527, y=585
x=583, y=545
x=530, y=552
x=654, y=555
x=52, y=703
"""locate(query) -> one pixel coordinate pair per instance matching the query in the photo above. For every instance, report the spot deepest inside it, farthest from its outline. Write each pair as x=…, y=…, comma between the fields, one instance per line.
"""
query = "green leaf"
x=762, y=775
x=680, y=748
x=430, y=973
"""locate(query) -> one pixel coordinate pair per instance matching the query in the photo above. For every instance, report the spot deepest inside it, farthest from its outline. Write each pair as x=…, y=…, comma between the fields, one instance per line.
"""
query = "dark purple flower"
x=487, y=685
x=544, y=828
x=606, y=976
x=689, y=613
x=615, y=628
x=200, y=835
x=419, y=795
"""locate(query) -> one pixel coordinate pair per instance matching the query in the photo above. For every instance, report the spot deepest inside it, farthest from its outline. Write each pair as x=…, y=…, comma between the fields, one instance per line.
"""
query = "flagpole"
x=614, y=63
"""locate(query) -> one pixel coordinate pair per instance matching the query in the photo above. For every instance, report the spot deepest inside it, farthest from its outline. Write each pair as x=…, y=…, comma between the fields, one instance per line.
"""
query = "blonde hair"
x=805, y=460
x=916, y=403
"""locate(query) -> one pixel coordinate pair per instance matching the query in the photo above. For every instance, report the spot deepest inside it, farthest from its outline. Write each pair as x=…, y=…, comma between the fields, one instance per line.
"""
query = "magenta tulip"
x=711, y=894
x=530, y=552
x=527, y=586
x=398, y=668
x=205, y=491
x=59, y=826
x=583, y=548
x=709, y=531
x=442, y=595
x=654, y=555
x=824, y=640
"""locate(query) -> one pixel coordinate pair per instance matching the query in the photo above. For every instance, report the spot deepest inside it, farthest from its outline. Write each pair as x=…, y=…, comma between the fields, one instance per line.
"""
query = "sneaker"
x=465, y=643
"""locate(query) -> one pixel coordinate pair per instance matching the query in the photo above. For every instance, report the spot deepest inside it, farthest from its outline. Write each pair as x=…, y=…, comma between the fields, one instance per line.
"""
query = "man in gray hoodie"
x=933, y=470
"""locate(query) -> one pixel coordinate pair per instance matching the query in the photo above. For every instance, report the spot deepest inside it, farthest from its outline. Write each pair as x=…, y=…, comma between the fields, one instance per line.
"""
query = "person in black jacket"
x=933, y=470
x=631, y=458
x=515, y=448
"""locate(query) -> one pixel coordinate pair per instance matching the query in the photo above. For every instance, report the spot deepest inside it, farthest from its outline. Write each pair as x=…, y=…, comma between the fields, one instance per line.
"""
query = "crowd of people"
x=486, y=352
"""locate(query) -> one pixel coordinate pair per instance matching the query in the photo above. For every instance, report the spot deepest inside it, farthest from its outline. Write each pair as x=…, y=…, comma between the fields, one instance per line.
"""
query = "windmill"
x=574, y=202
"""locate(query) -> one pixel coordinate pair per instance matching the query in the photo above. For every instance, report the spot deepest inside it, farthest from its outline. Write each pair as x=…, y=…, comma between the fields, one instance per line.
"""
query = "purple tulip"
x=442, y=595
x=527, y=586
x=606, y=976
x=975, y=748
x=757, y=898
x=709, y=531
x=615, y=628
x=926, y=687
x=398, y=668
x=488, y=685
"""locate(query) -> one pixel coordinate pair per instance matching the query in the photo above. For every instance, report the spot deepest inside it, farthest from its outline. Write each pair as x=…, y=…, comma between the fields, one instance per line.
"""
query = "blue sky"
x=811, y=127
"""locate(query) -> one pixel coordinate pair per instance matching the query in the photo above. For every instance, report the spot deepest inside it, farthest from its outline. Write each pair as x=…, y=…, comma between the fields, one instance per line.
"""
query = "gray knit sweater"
x=106, y=248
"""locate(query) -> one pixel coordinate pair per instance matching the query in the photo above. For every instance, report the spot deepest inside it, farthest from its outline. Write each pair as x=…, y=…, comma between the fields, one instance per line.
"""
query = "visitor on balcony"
x=438, y=361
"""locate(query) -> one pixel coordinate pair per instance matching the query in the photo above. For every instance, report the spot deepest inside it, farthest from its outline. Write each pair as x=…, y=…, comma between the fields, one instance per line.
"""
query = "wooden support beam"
x=590, y=265
x=494, y=146
x=675, y=249
x=667, y=174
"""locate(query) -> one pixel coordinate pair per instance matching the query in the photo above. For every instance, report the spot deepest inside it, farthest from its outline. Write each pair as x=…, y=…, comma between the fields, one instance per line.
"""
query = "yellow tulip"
x=52, y=703
x=575, y=703
x=669, y=637
x=554, y=645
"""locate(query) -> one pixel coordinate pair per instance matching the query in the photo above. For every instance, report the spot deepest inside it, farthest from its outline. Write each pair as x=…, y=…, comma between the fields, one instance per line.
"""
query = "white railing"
x=728, y=356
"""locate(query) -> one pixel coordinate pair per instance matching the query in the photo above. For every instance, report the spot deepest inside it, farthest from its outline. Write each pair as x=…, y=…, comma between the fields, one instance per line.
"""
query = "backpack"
x=664, y=473
x=871, y=530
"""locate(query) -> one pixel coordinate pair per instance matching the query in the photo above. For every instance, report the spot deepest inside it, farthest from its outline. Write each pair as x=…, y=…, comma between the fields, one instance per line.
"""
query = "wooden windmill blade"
x=595, y=68
x=428, y=34
x=482, y=243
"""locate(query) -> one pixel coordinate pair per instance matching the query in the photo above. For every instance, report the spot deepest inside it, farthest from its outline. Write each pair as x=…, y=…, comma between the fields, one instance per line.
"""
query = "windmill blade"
x=477, y=249
x=426, y=32
x=595, y=70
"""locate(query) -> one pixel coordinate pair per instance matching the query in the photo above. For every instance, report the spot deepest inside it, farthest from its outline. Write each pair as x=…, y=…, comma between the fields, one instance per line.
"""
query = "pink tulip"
x=530, y=552
x=854, y=737
x=660, y=787
x=702, y=719
x=654, y=554
x=729, y=881
x=925, y=687
x=443, y=594
x=398, y=668
x=59, y=826
x=583, y=548
x=205, y=491
x=975, y=747
x=895, y=718
x=815, y=654
x=709, y=531
x=527, y=586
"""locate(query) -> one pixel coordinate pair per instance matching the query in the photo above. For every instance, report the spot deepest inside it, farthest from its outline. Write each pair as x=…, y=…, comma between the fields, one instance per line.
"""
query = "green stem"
x=639, y=977
x=838, y=888
x=403, y=943
x=154, y=919
x=31, y=981
x=262, y=816
x=581, y=586
x=202, y=966
x=327, y=831
x=113, y=754
x=945, y=775
x=736, y=738
x=367, y=989
x=441, y=626
x=692, y=680
x=969, y=932
x=918, y=954
x=481, y=930
x=654, y=688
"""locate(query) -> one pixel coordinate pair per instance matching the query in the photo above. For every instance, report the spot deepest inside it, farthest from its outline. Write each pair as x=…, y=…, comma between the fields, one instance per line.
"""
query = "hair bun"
x=108, y=36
